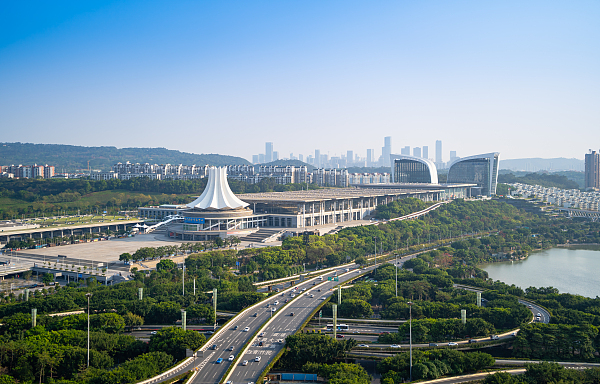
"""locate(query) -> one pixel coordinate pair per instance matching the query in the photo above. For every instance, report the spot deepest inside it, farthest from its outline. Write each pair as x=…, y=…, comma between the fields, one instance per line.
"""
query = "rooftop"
x=325, y=194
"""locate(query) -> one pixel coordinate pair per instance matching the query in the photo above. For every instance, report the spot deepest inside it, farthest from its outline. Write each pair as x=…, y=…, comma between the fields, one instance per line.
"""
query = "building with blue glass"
x=479, y=169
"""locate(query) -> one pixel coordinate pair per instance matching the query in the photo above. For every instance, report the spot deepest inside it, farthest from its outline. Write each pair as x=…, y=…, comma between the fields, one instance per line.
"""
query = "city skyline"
x=510, y=77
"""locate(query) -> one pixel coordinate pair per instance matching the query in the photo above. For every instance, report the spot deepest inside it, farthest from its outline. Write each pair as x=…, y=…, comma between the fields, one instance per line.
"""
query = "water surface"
x=571, y=269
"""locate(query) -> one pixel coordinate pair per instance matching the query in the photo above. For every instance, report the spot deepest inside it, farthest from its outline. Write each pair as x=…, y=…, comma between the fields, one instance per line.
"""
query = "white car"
x=153, y=333
x=280, y=340
x=323, y=298
x=394, y=346
x=246, y=329
x=245, y=362
x=257, y=359
x=273, y=309
x=230, y=358
x=276, y=302
x=262, y=334
x=311, y=296
x=363, y=345
x=292, y=295
x=452, y=344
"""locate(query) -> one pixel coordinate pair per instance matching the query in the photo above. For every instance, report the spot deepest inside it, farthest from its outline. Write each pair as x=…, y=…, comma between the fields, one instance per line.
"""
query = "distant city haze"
x=519, y=78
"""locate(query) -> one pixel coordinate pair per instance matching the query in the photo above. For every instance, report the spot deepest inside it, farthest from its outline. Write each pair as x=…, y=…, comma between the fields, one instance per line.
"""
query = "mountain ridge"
x=73, y=157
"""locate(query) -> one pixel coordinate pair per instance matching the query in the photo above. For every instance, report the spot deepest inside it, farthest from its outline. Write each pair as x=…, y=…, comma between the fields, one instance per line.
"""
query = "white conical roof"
x=217, y=194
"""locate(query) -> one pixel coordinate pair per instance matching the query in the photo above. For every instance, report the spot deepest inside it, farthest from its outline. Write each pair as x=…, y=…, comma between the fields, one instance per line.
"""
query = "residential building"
x=592, y=170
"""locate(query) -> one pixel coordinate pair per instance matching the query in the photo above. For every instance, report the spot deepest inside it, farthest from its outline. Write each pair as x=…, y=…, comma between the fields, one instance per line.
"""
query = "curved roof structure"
x=217, y=195
x=427, y=169
x=480, y=169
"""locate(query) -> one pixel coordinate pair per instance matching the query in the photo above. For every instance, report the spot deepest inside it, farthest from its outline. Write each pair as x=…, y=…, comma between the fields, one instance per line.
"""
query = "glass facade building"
x=480, y=169
x=411, y=169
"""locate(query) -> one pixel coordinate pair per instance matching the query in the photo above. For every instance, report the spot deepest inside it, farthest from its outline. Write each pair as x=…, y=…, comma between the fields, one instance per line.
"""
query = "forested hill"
x=72, y=158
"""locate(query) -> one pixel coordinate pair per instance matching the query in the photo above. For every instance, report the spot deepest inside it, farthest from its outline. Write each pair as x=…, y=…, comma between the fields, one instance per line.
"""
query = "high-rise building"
x=417, y=151
x=386, y=151
x=439, y=161
x=349, y=158
x=453, y=156
x=275, y=155
x=268, y=152
x=301, y=157
x=254, y=159
x=405, y=151
x=317, y=158
x=261, y=158
x=592, y=170
x=370, y=157
x=425, y=152
x=48, y=171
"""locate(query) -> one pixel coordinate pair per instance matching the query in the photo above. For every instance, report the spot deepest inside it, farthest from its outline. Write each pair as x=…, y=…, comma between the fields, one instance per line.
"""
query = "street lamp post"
x=396, y=274
x=410, y=335
x=375, y=249
x=88, y=330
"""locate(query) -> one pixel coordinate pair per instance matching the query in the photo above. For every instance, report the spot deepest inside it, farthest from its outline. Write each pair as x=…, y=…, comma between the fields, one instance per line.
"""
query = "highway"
x=284, y=325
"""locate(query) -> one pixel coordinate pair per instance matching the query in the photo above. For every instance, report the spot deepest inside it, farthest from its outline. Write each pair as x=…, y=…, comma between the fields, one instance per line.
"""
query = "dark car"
x=291, y=313
x=255, y=314
x=433, y=345
x=471, y=341
x=260, y=343
x=214, y=346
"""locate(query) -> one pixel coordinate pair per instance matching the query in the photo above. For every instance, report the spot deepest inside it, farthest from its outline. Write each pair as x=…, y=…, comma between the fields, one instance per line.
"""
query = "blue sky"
x=521, y=78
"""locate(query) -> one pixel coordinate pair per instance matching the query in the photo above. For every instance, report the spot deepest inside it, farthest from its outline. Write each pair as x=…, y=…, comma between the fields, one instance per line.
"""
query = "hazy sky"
x=518, y=77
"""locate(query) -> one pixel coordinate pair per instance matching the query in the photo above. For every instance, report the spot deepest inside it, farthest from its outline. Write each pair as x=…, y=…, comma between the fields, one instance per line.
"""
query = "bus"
x=340, y=327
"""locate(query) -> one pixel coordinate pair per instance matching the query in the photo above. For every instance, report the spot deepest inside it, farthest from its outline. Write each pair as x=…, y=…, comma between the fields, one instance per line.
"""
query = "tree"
x=47, y=278
x=500, y=378
x=125, y=257
x=109, y=322
x=166, y=265
x=361, y=260
x=355, y=308
x=132, y=320
x=174, y=341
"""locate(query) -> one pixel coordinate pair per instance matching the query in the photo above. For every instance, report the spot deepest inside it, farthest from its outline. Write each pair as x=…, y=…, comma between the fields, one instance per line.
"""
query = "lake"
x=573, y=270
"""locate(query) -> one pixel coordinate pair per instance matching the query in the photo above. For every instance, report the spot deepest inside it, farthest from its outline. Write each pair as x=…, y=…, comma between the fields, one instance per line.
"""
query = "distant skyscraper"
x=453, y=156
x=425, y=152
x=317, y=158
x=349, y=158
x=417, y=151
x=261, y=158
x=275, y=155
x=438, y=153
x=405, y=151
x=301, y=157
x=386, y=150
x=592, y=170
x=268, y=152
x=370, y=157
x=254, y=159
